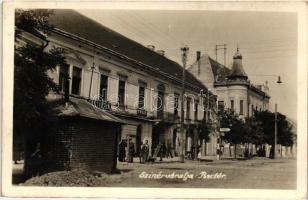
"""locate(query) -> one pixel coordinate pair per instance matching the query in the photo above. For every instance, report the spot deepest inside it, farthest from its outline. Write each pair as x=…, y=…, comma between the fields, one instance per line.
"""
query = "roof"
x=81, y=107
x=220, y=71
x=221, y=74
x=237, y=67
x=77, y=24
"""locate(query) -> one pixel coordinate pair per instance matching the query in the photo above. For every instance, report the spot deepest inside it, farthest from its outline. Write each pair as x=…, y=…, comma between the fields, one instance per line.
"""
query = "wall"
x=257, y=101
x=236, y=93
x=93, y=144
x=206, y=75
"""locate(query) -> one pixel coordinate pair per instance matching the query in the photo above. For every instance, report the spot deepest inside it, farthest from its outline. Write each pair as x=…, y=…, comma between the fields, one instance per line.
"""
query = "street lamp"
x=275, y=140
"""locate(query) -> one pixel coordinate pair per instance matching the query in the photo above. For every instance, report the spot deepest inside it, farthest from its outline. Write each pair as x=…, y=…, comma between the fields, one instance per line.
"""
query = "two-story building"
x=131, y=81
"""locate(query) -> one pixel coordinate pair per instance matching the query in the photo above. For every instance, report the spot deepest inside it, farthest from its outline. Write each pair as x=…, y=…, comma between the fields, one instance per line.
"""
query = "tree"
x=254, y=134
x=285, y=136
x=237, y=133
x=31, y=81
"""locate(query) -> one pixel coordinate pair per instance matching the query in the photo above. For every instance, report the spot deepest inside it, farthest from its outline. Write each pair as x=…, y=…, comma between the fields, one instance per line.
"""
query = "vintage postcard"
x=154, y=100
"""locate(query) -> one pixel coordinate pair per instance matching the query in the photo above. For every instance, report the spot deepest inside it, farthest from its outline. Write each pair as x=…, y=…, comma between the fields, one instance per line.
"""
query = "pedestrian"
x=272, y=152
x=162, y=148
x=199, y=155
x=141, y=153
x=218, y=152
x=168, y=150
x=131, y=150
x=122, y=151
x=144, y=152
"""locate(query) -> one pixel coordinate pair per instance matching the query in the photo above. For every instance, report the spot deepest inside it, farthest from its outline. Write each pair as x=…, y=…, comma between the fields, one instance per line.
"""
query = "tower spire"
x=238, y=71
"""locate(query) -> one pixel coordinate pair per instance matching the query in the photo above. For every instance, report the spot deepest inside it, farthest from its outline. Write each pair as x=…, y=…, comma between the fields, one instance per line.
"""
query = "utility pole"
x=208, y=105
x=220, y=47
x=184, y=60
x=275, y=139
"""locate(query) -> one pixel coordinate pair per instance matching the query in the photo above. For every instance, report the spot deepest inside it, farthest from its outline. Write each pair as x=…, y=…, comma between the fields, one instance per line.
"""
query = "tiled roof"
x=220, y=71
x=237, y=70
x=75, y=23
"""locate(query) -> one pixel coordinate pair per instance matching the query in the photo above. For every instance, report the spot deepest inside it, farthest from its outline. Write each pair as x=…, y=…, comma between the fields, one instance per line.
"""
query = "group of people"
x=163, y=151
x=127, y=151
x=130, y=148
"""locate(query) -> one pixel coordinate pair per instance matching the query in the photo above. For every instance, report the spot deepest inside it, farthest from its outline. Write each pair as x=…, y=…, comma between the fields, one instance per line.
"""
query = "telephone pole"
x=184, y=50
x=220, y=47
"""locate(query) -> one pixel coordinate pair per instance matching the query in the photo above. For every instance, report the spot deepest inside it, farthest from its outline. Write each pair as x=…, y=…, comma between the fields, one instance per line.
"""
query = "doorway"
x=138, y=139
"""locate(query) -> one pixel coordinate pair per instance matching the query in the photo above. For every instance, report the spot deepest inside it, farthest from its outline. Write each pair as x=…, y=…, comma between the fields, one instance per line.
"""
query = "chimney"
x=198, y=55
x=152, y=47
x=198, y=60
x=161, y=52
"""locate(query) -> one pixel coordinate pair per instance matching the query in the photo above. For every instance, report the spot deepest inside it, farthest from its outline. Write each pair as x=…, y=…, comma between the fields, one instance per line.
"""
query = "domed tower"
x=237, y=71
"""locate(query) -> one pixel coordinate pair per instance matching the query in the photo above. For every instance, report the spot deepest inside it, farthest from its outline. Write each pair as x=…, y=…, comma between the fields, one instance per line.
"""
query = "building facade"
x=232, y=86
x=133, y=82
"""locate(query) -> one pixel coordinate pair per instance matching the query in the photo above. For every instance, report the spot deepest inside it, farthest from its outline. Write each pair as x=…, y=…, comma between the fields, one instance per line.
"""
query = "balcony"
x=167, y=116
x=101, y=104
x=142, y=112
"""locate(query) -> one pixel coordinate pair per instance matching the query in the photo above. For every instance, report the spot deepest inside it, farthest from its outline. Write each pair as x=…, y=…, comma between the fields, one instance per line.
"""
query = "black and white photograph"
x=155, y=98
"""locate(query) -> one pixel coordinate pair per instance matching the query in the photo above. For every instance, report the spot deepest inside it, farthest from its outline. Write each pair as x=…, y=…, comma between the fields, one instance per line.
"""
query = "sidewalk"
x=177, y=159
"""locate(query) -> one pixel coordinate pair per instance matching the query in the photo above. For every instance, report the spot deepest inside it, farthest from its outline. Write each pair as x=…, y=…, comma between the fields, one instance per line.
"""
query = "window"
x=196, y=109
x=176, y=104
x=121, y=92
x=252, y=110
x=188, y=108
x=204, y=110
x=141, y=97
x=103, y=87
x=64, y=74
x=221, y=106
x=232, y=104
x=76, y=81
x=241, y=107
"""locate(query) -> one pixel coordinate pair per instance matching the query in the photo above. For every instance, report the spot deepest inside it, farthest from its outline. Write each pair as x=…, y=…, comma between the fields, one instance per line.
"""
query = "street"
x=256, y=173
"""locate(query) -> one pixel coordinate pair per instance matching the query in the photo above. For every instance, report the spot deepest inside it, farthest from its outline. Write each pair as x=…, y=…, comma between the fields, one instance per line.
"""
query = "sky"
x=267, y=41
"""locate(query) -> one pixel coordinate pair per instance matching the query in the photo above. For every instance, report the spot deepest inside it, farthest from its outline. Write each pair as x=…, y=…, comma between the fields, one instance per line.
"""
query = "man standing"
x=168, y=150
x=131, y=150
x=161, y=150
x=144, y=153
x=218, y=151
x=122, y=152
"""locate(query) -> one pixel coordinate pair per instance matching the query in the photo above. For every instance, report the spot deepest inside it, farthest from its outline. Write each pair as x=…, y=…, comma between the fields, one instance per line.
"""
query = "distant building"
x=232, y=86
